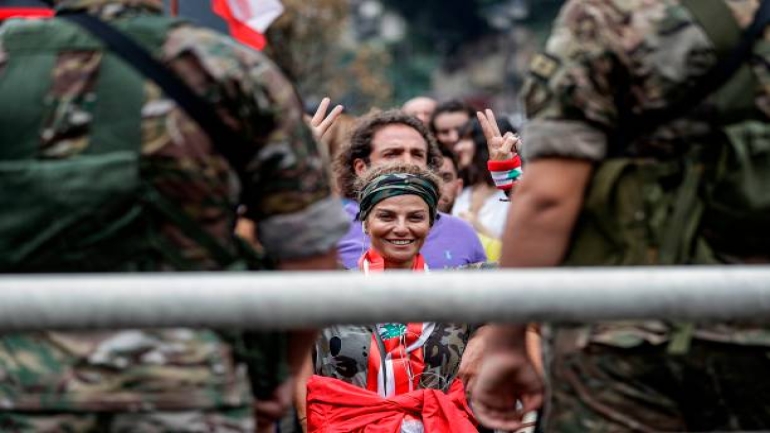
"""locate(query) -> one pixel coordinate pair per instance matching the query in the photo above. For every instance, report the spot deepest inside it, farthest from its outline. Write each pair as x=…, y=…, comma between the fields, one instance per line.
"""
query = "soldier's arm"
x=300, y=221
x=570, y=97
x=300, y=392
x=285, y=184
x=287, y=191
x=543, y=212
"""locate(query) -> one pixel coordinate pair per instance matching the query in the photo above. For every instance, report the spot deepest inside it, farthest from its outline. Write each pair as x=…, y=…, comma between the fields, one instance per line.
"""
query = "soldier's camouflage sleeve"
x=569, y=90
x=238, y=420
x=639, y=55
x=286, y=187
x=292, y=201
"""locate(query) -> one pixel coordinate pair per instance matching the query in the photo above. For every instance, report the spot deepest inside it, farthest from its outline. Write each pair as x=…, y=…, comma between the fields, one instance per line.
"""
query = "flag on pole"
x=248, y=19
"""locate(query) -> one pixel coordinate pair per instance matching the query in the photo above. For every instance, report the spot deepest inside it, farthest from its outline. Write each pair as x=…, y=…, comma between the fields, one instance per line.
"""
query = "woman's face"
x=464, y=150
x=397, y=227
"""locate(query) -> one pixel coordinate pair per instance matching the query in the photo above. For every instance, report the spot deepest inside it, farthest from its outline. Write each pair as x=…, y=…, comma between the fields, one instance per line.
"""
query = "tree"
x=307, y=43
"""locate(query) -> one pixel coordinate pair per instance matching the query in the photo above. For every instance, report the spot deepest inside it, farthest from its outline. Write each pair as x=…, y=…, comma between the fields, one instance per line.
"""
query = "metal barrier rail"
x=290, y=300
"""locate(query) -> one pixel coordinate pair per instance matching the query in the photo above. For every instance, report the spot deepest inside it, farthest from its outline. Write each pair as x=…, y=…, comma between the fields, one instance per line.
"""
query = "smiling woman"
x=397, y=228
x=398, y=208
x=357, y=370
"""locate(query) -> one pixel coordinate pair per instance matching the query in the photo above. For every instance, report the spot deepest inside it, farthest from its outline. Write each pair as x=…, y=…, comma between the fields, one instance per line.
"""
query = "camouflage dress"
x=342, y=352
x=604, y=60
x=67, y=109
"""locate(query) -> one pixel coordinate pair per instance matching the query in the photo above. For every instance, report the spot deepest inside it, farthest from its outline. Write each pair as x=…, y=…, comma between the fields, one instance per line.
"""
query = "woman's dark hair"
x=477, y=171
x=450, y=106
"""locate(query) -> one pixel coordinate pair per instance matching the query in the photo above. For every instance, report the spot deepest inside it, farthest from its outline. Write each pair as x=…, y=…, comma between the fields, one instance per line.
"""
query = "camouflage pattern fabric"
x=652, y=49
x=285, y=188
x=637, y=55
x=222, y=421
x=130, y=370
x=288, y=187
x=342, y=352
x=572, y=100
x=645, y=389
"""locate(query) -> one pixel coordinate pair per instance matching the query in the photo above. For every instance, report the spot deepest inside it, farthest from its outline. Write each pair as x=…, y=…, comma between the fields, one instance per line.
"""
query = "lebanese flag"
x=22, y=12
x=248, y=19
x=337, y=406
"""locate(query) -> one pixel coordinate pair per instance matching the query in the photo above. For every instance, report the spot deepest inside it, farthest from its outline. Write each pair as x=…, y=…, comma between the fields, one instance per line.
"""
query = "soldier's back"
x=101, y=167
x=608, y=64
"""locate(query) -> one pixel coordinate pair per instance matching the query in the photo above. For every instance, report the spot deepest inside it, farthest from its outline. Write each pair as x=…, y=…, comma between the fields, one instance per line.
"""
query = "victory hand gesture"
x=321, y=122
x=501, y=147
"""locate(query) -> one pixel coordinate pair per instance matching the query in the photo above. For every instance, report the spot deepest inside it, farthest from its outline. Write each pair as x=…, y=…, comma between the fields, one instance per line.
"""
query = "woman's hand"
x=472, y=357
x=501, y=147
x=300, y=392
x=270, y=411
x=321, y=122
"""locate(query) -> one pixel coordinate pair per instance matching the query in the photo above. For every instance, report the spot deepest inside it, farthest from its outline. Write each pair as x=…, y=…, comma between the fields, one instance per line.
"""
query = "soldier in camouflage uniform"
x=608, y=61
x=67, y=106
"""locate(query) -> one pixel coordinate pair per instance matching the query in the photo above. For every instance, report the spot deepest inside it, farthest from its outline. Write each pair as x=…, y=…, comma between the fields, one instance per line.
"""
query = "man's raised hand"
x=321, y=122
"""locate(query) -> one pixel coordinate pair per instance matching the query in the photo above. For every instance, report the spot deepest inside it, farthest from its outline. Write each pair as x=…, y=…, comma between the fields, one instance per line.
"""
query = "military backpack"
x=651, y=212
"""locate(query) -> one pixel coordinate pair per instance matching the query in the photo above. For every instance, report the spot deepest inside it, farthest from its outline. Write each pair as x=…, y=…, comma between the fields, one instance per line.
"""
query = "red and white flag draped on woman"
x=393, y=401
x=248, y=19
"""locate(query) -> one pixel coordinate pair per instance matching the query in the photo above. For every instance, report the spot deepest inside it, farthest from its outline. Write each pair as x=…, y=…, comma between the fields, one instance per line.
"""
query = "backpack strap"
x=682, y=227
x=731, y=81
x=717, y=77
x=227, y=141
x=714, y=18
x=735, y=99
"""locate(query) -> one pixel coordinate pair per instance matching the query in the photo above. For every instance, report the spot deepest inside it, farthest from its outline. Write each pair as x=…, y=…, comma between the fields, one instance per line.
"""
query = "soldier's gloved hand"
x=269, y=412
x=506, y=388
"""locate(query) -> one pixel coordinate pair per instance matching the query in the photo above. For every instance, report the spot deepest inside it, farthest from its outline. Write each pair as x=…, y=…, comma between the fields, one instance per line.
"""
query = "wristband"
x=505, y=173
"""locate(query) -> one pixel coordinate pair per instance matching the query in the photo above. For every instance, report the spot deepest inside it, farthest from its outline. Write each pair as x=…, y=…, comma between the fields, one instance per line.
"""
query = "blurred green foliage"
x=375, y=72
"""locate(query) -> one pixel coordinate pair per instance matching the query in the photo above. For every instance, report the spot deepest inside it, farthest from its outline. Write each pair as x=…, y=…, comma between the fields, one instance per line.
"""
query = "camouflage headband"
x=395, y=184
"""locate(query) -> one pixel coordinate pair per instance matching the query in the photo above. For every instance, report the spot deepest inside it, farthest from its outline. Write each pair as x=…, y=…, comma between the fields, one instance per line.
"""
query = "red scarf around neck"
x=372, y=261
x=334, y=405
x=404, y=355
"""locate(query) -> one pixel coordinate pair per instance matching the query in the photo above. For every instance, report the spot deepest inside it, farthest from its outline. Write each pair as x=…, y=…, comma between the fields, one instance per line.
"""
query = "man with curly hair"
x=392, y=136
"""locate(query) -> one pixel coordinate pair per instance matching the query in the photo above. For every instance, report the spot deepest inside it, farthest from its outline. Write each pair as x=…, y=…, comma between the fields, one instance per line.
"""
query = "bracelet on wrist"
x=505, y=173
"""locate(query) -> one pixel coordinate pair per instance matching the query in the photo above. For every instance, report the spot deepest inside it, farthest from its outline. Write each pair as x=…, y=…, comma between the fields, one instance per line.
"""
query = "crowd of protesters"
x=113, y=169
x=400, y=173
x=401, y=188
